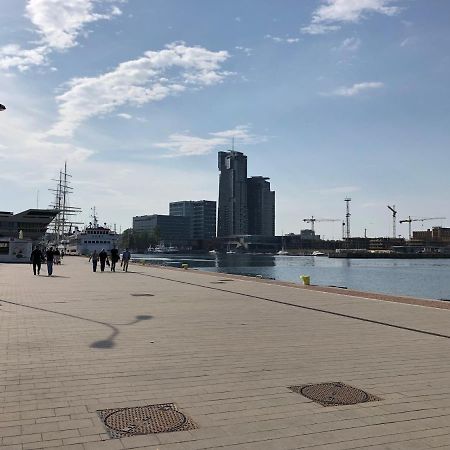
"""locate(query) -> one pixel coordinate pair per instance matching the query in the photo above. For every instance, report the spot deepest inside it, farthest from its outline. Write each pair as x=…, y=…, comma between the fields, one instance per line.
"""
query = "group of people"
x=52, y=256
x=39, y=256
x=110, y=260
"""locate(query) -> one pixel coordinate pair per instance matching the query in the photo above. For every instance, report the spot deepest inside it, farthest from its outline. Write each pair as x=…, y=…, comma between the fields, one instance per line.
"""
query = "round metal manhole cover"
x=333, y=394
x=145, y=420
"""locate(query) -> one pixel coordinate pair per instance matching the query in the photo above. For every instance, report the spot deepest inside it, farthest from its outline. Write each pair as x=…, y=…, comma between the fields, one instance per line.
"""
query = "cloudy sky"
x=329, y=98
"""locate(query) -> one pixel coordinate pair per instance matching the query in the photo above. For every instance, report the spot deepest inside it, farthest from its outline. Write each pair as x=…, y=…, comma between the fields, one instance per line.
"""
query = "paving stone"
x=224, y=354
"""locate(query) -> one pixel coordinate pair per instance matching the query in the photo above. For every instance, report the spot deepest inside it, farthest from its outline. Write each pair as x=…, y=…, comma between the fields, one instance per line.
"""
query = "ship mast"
x=62, y=224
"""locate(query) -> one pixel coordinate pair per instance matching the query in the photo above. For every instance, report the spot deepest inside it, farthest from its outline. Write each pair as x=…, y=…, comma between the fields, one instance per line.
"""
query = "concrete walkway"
x=225, y=352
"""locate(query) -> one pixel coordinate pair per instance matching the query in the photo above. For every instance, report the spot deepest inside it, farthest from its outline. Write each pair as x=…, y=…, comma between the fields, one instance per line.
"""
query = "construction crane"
x=394, y=220
x=409, y=221
x=313, y=220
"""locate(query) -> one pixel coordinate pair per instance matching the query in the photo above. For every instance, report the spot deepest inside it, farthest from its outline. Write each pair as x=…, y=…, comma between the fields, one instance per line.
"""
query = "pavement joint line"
x=309, y=308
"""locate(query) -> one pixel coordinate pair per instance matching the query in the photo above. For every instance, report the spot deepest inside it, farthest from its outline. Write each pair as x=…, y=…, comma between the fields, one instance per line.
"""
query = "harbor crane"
x=394, y=220
x=423, y=219
x=313, y=220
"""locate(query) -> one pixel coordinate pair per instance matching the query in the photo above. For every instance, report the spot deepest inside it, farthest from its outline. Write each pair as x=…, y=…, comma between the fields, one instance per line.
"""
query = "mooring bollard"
x=306, y=279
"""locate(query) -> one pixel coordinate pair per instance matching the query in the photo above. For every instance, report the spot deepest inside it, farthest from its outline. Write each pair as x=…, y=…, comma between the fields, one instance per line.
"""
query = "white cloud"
x=356, y=89
x=58, y=24
x=13, y=55
x=125, y=116
x=187, y=145
x=350, y=45
x=153, y=77
x=286, y=40
x=332, y=13
x=246, y=50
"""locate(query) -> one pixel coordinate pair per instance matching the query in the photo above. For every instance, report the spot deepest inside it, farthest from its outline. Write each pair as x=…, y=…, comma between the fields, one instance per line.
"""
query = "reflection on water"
x=414, y=277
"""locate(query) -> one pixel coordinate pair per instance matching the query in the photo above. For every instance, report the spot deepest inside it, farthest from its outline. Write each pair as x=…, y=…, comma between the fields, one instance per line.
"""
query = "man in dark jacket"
x=49, y=256
x=36, y=259
x=103, y=256
x=114, y=258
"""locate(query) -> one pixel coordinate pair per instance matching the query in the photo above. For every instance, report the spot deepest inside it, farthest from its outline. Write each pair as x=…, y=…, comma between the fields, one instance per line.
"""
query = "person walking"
x=114, y=258
x=36, y=259
x=103, y=256
x=94, y=259
x=49, y=256
x=126, y=256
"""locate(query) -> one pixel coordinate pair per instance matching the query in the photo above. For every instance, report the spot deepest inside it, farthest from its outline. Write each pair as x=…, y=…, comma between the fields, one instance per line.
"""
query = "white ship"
x=93, y=237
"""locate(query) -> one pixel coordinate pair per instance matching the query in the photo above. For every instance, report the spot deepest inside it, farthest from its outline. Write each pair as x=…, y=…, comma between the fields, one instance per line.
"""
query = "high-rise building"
x=233, y=212
x=261, y=207
x=202, y=215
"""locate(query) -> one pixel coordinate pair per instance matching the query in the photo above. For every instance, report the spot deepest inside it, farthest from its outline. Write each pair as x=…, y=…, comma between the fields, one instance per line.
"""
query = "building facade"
x=233, y=211
x=261, y=207
x=202, y=216
x=172, y=230
x=33, y=223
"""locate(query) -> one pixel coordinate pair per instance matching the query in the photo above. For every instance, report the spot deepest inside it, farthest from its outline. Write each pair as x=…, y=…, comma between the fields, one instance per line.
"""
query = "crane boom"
x=409, y=220
x=312, y=220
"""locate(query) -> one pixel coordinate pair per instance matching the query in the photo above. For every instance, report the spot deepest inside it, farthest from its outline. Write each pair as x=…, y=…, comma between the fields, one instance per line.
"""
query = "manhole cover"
x=333, y=394
x=142, y=295
x=161, y=418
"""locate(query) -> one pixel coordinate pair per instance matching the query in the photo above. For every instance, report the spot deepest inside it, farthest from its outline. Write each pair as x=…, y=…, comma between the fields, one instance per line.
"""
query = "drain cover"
x=333, y=393
x=142, y=295
x=161, y=418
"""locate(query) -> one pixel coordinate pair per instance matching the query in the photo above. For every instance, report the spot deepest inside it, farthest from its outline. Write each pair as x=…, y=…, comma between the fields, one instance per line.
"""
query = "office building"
x=202, y=216
x=233, y=211
x=172, y=230
x=261, y=207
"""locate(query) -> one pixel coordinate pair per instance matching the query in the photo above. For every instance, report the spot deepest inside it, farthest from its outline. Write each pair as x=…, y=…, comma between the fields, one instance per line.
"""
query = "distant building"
x=33, y=223
x=233, y=212
x=246, y=205
x=202, y=216
x=437, y=235
x=261, y=207
x=173, y=230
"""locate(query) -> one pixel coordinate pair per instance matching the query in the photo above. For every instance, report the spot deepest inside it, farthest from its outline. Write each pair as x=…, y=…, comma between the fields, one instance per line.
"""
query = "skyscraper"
x=261, y=207
x=233, y=212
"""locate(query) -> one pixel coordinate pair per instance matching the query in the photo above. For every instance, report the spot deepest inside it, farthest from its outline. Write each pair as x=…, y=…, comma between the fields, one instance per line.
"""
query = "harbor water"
x=423, y=278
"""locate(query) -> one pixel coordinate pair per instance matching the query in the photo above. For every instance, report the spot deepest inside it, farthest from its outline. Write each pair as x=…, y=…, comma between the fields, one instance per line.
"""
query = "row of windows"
x=96, y=242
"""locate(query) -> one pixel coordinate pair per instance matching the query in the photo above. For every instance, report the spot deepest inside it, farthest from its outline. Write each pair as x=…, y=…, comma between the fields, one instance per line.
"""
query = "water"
x=424, y=278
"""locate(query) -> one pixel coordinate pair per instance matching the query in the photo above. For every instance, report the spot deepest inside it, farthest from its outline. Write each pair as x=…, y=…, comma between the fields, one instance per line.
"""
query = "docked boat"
x=93, y=237
x=317, y=253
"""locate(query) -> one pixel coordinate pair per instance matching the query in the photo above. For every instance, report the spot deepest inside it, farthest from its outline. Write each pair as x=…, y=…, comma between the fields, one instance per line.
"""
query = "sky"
x=329, y=98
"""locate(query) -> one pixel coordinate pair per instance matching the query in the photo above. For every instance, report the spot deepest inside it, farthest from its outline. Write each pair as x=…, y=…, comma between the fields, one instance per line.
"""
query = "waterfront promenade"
x=225, y=350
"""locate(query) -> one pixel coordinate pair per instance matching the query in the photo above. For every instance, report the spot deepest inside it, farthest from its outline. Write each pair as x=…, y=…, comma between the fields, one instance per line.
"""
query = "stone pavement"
x=225, y=352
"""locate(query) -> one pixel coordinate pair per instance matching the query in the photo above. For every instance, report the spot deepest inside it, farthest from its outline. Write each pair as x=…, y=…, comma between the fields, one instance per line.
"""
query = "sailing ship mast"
x=63, y=223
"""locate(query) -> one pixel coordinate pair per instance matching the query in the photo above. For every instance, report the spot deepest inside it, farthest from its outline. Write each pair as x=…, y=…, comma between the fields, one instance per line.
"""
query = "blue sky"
x=329, y=99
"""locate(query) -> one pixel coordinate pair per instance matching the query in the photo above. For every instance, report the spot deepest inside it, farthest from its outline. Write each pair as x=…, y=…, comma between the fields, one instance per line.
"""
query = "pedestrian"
x=94, y=259
x=36, y=259
x=49, y=256
x=103, y=256
x=114, y=258
x=126, y=256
